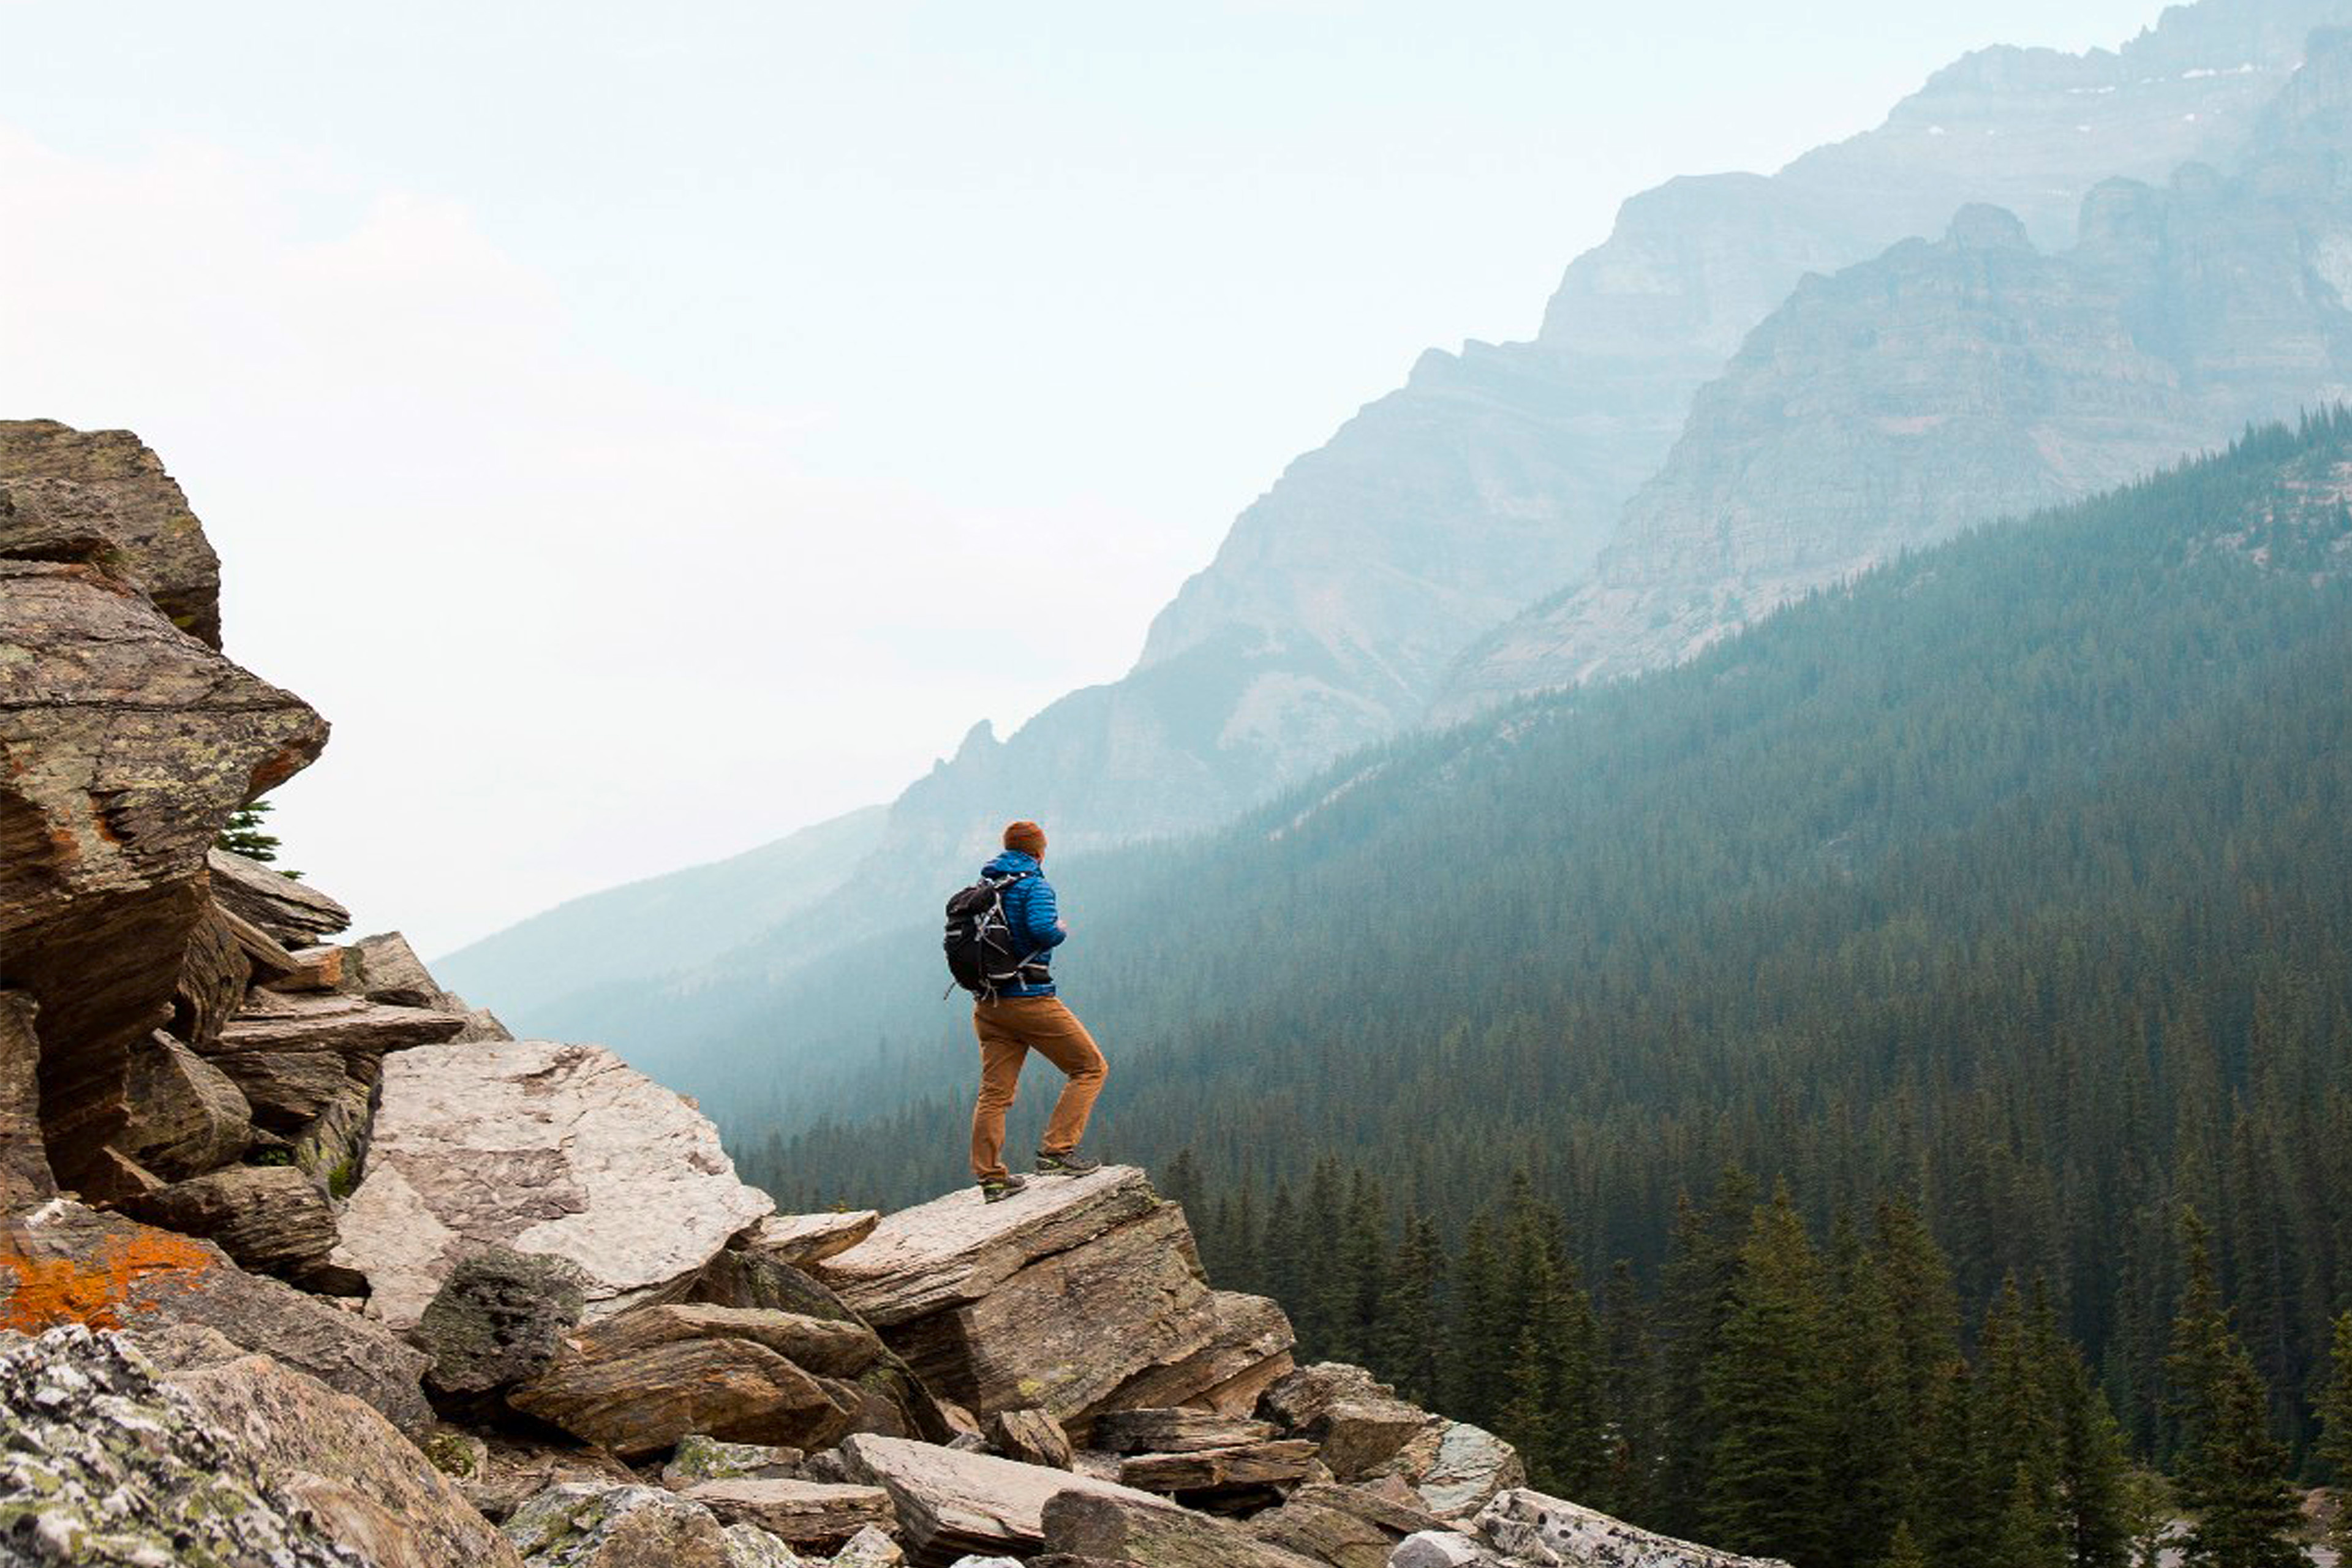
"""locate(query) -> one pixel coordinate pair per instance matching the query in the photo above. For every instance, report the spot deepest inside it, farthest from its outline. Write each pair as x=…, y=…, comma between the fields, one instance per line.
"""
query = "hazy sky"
x=644, y=430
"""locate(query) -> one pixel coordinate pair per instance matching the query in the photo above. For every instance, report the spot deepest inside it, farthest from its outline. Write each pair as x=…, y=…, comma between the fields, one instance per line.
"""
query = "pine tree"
x=2149, y=1510
x=2336, y=1435
x=1412, y=1333
x=1629, y=1387
x=1484, y=1341
x=1902, y=1550
x=2244, y=1513
x=2028, y=1535
x=246, y=833
x=1180, y=1184
x=2232, y=1471
x=1768, y=1393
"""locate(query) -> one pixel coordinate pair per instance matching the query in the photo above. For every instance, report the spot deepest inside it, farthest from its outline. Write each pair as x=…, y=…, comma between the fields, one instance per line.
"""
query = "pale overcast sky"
x=644, y=430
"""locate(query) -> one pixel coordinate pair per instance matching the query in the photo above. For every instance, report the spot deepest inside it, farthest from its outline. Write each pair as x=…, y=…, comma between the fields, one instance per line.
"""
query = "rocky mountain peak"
x=1980, y=225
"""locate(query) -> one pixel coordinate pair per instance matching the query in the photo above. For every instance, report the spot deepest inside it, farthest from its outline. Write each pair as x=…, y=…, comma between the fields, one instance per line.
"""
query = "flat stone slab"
x=951, y=1501
x=541, y=1147
x=799, y=1513
x=958, y=1249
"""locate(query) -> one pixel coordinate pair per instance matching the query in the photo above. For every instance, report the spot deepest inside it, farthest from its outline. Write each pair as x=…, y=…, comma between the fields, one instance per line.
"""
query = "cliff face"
x=1940, y=385
x=304, y=1261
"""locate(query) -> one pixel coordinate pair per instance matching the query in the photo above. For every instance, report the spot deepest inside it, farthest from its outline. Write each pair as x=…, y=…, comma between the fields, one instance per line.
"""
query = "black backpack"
x=978, y=940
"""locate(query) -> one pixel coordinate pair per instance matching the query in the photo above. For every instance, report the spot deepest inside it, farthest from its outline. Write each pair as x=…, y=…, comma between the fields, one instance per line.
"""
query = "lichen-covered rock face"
x=541, y=1147
x=125, y=743
x=67, y=1263
x=499, y=1318
x=369, y=1486
x=577, y=1525
x=106, y=1465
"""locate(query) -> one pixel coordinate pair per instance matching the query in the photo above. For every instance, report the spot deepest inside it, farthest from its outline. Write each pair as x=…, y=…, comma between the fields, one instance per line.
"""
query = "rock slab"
x=541, y=1147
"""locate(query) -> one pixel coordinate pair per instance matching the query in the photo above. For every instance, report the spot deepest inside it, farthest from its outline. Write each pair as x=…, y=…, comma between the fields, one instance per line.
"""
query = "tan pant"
x=1009, y=1030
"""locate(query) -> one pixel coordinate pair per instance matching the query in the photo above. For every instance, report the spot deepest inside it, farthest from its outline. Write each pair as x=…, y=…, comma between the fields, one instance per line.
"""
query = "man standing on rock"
x=1025, y=1015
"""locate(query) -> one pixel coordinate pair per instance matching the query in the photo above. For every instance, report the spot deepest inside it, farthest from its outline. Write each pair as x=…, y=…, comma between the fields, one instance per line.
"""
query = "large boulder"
x=346, y=1463
x=1359, y=1422
x=106, y=1465
x=65, y=1263
x=541, y=1147
x=1246, y=1350
x=1065, y=1298
x=639, y=1382
x=384, y=968
x=698, y=1459
x=124, y=745
x=1455, y=1467
x=498, y=1319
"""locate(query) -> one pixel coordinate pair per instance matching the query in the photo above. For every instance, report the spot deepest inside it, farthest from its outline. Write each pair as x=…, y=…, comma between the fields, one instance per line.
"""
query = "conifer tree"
x=2232, y=1471
x=2243, y=1512
x=1412, y=1331
x=1483, y=1340
x=1902, y=1550
x=2028, y=1535
x=1768, y=1396
x=246, y=833
x=1629, y=1389
x=2336, y=1435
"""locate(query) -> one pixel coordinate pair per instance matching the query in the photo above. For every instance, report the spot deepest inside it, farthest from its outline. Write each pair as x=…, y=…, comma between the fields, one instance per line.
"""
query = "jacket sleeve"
x=1041, y=915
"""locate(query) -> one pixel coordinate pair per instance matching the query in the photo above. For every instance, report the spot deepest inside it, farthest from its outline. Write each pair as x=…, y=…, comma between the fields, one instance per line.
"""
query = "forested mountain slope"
x=2015, y=878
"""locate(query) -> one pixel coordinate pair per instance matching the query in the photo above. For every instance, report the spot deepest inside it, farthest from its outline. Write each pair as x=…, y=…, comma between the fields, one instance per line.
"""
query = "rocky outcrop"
x=544, y=1148
x=1059, y=1299
x=125, y=746
x=577, y=1525
x=68, y=494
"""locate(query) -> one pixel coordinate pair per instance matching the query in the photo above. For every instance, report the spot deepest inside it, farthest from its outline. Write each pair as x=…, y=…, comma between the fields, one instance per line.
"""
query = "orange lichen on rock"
x=38, y=1293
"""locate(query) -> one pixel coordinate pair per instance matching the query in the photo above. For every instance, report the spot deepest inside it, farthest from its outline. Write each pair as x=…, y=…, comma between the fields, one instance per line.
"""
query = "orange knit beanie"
x=1025, y=836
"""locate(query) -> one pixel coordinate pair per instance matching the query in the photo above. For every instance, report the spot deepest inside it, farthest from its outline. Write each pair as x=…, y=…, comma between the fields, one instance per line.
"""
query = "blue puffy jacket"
x=1035, y=918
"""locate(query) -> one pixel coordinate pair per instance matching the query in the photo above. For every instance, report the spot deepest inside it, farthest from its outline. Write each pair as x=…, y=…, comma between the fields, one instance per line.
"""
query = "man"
x=1025, y=1015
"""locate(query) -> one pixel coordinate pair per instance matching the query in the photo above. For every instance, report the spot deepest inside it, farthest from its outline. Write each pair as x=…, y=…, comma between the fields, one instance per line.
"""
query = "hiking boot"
x=999, y=1188
x=1070, y=1164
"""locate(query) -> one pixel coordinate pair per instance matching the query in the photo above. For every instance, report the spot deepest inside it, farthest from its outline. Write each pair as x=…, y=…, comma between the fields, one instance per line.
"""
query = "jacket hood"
x=1009, y=863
